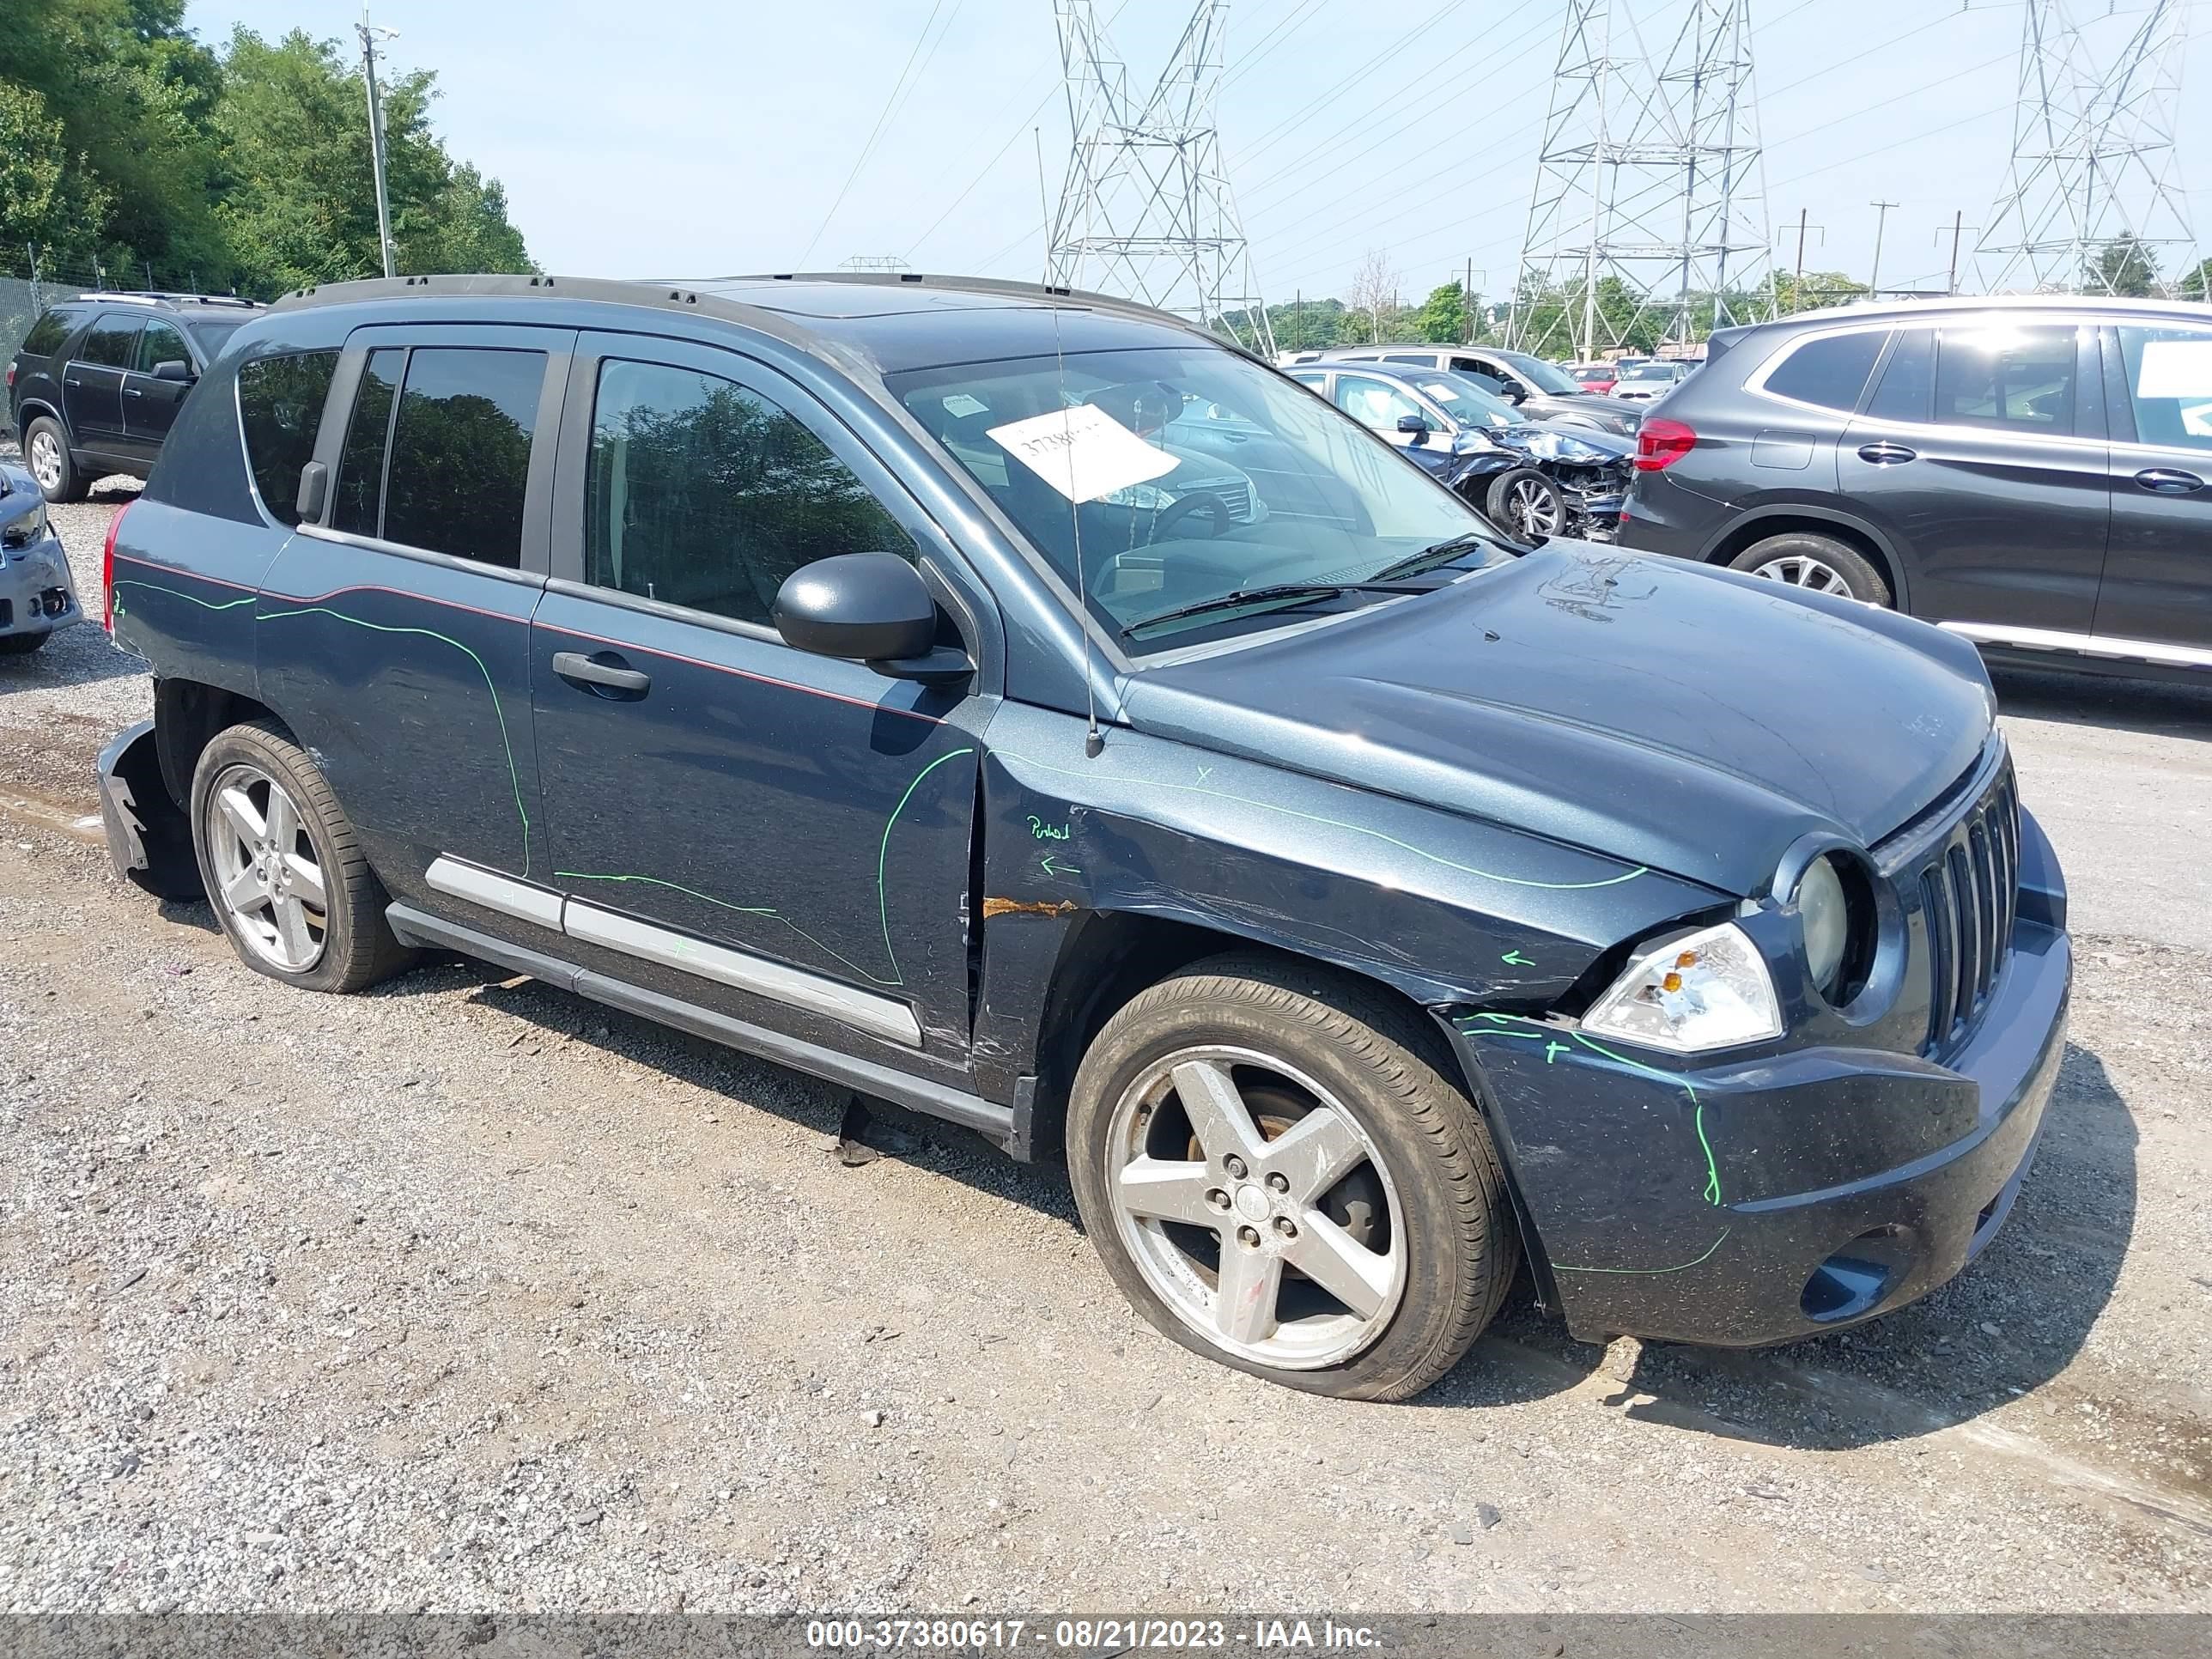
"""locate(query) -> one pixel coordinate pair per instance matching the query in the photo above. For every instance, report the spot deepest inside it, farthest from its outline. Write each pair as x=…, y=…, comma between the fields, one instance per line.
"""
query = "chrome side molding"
x=2085, y=645
x=878, y=1015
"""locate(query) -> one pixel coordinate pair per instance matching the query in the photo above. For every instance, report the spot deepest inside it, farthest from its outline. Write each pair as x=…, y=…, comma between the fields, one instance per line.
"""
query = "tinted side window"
x=359, y=507
x=703, y=494
x=47, y=334
x=1908, y=379
x=1425, y=359
x=280, y=405
x=2169, y=384
x=461, y=451
x=160, y=342
x=1830, y=371
x=2016, y=380
x=109, y=342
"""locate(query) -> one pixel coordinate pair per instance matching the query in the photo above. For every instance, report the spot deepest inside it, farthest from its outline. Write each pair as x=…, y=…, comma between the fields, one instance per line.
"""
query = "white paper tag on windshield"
x=1084, y=452
x=2175, y=368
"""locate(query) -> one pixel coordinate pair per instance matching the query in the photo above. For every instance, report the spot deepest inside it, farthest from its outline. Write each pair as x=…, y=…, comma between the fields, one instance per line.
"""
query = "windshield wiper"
x=1264, y=595
x=1429, y=557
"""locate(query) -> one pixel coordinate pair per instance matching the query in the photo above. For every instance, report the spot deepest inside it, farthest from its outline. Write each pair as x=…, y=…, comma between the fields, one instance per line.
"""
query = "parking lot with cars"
x=467, y=1289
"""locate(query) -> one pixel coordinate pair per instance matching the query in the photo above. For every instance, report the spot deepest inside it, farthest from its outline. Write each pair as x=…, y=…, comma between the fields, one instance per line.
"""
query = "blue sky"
x=698, y=139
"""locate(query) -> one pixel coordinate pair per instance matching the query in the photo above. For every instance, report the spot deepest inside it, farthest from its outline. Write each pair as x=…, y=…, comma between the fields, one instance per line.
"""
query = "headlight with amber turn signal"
x=1707, y=990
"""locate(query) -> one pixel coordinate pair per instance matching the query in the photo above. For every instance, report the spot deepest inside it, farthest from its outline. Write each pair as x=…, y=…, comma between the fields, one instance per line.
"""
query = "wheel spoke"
x=292, y=927
x=283, y=821
x=1217, y=1112
x=1250, y=1280
x=307, y=881
x=1169, y=1191
x=245, y=891
x=1356, y=1276
x=238, y=809
x=1316, y=1152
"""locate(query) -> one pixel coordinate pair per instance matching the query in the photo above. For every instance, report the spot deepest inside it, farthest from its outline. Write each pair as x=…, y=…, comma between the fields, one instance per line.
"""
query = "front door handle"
x=605, y=672
x=2170, y=481
x=1887, y=454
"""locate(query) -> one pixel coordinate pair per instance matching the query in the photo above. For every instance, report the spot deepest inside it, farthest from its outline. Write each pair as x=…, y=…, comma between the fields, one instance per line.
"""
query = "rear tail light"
x=107, y=571
x=1660, y=442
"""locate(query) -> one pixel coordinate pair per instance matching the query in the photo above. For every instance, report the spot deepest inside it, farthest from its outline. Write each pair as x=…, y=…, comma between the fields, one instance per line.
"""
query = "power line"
x=874, y=132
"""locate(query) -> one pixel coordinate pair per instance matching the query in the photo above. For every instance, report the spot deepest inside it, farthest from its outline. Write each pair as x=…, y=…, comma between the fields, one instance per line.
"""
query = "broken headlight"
x=1707, y=990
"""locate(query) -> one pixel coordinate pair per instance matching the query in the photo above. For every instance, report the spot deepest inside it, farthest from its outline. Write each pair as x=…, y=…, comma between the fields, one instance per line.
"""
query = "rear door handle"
x=1887, y=454
x=2170, y=481
x=133, y=391
x=605, y=672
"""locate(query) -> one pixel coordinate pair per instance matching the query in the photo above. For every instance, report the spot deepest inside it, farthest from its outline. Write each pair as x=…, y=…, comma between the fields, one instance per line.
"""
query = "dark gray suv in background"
x=2033, y=473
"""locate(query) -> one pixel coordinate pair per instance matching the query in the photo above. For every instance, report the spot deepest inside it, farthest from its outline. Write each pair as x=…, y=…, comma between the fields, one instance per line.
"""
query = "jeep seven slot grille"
x=1969, y=894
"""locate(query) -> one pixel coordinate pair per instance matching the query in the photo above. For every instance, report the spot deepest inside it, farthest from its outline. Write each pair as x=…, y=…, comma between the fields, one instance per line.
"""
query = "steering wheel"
x=1168, y=526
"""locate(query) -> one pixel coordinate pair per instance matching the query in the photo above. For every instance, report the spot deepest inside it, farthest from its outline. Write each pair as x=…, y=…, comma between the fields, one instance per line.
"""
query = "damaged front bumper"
x=1763, y=1199
x=36, y=597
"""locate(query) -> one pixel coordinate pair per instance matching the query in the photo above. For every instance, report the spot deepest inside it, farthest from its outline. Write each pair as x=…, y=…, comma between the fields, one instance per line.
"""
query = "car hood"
x=1691, y=720
x=1577, y=445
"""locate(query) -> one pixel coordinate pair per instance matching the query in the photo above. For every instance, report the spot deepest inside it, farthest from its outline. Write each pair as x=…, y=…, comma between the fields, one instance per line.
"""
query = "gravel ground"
x=469, y=1295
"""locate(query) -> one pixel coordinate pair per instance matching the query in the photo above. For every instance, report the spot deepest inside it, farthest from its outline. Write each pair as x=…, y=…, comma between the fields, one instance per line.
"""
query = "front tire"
x=47, y=451
x=1526, y=505
x=281, y=868
x=1280, y=1176
x=1821, y=565
x=21, y=645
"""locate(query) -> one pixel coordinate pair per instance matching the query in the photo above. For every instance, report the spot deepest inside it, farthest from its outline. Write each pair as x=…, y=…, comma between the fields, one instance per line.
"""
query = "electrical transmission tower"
x=1649, y=198
x=2092, y=154
x=1145, y=211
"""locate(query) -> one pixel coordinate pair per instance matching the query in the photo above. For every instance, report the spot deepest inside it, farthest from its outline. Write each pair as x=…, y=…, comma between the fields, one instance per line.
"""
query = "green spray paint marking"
x=1050, y=868
x=1713, y=1193
x=1553, y=1050
x=1679, y=1267
x=1515, y=959
x=1355, y=828
x=1039, y=831
x=514, y=776
x=204, y=604
x=882, y=857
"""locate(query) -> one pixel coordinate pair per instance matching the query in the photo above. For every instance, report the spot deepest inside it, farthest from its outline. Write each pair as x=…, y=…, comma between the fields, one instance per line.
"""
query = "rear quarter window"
x=1830, y=371
x=47, y=334
x=280, y=409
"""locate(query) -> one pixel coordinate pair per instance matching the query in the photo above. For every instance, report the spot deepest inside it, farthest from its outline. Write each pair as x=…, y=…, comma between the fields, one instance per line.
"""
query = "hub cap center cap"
x=1252, y=1203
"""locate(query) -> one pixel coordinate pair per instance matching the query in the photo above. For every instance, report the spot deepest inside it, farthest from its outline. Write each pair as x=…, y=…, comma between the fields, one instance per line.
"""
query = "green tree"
x=1443, y=316
x=2123, y=266
x=43, y=198
x=1813, y=290
x=2198, y=284
x=300, y=204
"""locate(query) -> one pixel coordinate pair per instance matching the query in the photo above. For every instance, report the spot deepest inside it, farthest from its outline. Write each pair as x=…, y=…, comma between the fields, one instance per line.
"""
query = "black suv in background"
x=2033, y=473
x=96, y=383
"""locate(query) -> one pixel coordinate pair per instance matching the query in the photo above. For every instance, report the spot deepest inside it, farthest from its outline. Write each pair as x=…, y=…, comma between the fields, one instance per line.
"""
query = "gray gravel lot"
x=467, y=1294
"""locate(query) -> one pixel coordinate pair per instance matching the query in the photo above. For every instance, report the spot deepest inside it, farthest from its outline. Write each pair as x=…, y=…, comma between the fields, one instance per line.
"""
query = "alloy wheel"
x=46, y=458
x=268, y=878
x=1533, y=508
x=1257, y=1208
x=1800, y=571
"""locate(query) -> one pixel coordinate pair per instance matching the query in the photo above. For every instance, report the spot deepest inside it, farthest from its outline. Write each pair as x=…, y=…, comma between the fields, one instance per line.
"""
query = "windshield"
x=1468, y=403
x=1538, y=373
x=1191, y=473
x=214, y=332
x=1651, y=372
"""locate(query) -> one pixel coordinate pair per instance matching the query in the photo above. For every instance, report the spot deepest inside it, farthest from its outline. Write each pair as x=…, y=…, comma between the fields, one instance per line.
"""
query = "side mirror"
x=1414, y=424
x=1513, y=394
x=867, y=607
x=174, y=370
x=314, y=484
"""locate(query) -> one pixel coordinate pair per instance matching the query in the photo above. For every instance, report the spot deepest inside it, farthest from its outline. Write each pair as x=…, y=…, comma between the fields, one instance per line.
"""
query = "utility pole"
x=369, y=35
x=1881, y=224
x=1959, y=228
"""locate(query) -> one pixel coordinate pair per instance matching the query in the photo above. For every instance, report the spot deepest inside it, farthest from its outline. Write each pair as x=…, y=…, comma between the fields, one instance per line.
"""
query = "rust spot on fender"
x=1006, y=907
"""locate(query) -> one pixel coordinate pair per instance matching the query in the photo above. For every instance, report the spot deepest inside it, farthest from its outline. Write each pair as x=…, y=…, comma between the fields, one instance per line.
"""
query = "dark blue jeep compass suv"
x=866, y=674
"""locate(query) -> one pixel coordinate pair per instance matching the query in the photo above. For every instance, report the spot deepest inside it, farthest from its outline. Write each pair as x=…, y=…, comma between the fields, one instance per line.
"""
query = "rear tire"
x=47, y=451
x=1820, y=564
x=1332, y=1217
x=281, y=868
